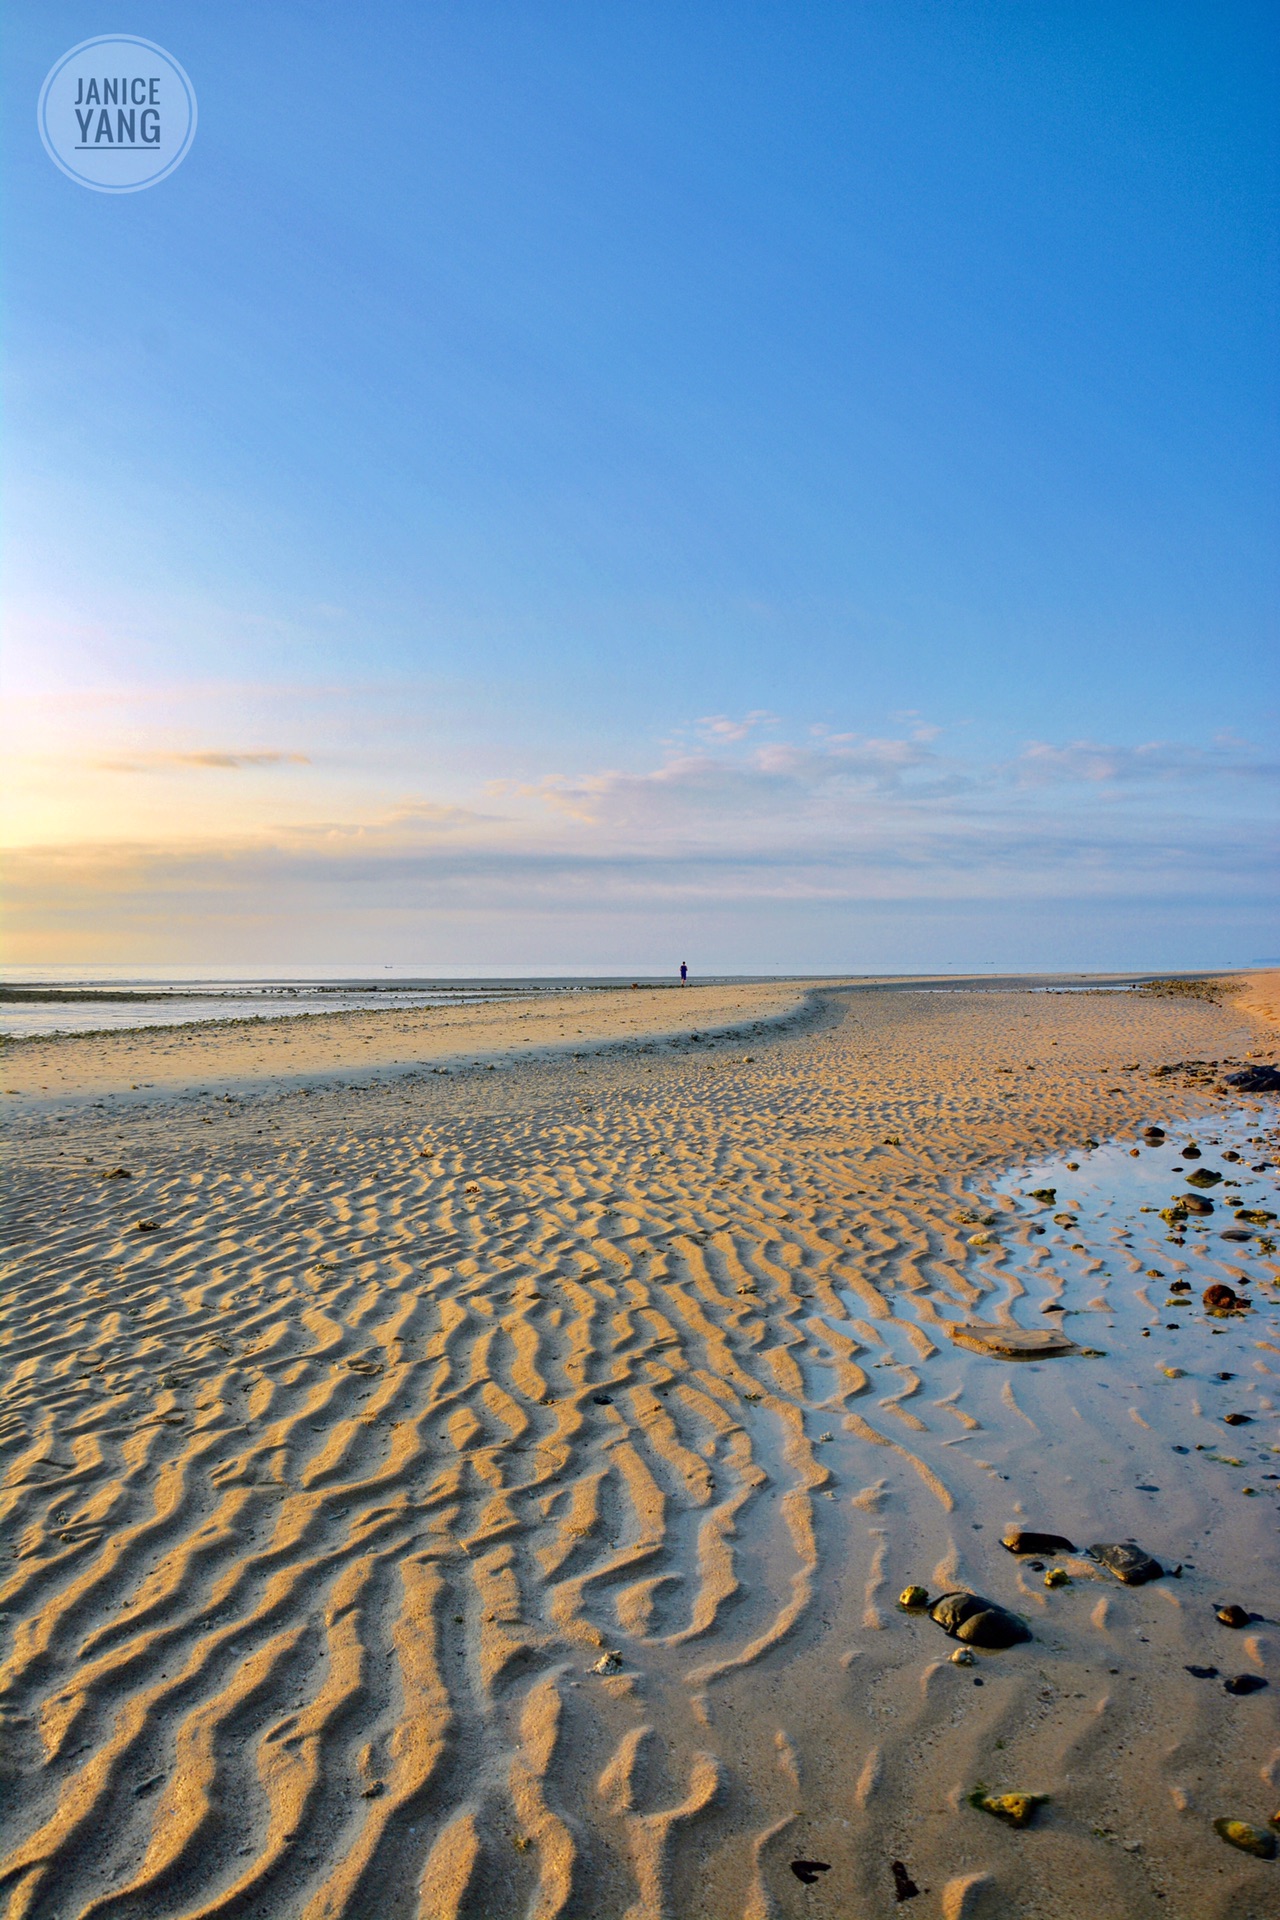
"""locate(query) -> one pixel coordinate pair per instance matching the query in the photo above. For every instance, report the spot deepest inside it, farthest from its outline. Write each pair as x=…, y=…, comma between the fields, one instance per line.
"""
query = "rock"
x=1057, y=1577
x=978, y=1622
x=1191, y=1151
x=117, y=1173
x=146, y=1226
x=608, y=1662
x=1245, y=1683
x=1192, y=1203
x=1153, y=1135
x=1202, y=1673
x=1045, y=1194
x=1256, y=1216
x=1237, y=1419
x=963, y=1657
x=913, y=1598
x=1203, y=1177
x=1023, y=1540
x=1221, y=1298
x=1015, y=1809
x=1128, y=1562
x=1255, y=1080
x=1011, y=1343
x=1232, y=1616
x=1255, y=1840
x=807, y=1871
x=904, y=1887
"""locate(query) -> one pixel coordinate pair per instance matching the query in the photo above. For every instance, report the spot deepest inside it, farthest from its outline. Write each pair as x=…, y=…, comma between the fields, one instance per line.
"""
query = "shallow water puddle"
x=1094, y=1242
x=1169, y=1411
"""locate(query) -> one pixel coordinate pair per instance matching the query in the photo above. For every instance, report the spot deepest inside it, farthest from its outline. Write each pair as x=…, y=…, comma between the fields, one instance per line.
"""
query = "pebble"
x=1015, y=1809
x=1057, y=1577
x=1245, y=1683
x=963, y=1657
x=978, y=1622
x=1255, y=1840
x=1128, y=1562
x=913, y=1597
x=1025, y=1540
x=1232, y=1616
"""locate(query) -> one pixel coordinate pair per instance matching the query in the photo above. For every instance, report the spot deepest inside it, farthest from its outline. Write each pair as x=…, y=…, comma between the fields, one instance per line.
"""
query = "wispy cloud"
x=218, y=759
x=722, y=727
x=1169, y=762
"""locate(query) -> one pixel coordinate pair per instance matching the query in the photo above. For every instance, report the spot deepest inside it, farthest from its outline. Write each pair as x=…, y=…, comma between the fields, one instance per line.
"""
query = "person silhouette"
x=684, y=973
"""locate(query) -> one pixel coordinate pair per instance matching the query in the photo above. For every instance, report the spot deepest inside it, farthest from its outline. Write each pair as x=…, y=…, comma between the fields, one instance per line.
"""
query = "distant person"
x=684, y=973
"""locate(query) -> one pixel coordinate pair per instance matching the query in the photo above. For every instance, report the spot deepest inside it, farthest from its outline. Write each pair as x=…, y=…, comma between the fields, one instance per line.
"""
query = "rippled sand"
x=486, y=1493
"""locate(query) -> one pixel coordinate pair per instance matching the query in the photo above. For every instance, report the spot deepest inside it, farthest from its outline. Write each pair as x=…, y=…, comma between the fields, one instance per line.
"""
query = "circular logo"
x=117, y=113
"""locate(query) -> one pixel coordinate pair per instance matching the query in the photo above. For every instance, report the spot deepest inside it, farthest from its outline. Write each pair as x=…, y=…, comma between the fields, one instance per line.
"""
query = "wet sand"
x=485, y=1492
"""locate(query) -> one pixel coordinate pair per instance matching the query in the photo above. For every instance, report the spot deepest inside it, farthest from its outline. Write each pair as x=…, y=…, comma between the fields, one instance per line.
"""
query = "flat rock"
x=1021, y=1540
x=1203, y=1177
x=1128, y=1563
x=1255, y=1080
x=978, y=1622
x=1012, y=1343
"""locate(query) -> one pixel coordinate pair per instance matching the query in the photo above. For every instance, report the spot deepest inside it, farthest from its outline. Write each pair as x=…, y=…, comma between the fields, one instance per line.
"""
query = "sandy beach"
x=463, y=1465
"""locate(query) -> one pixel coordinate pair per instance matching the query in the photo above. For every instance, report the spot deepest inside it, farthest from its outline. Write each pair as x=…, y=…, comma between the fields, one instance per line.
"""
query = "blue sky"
x=546, y=486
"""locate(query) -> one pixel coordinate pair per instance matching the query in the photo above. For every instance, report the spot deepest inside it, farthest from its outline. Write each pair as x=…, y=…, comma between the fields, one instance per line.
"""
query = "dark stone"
x=1128, y=1563
x=1237, y=1233
x=1192, y=1203
x=1237, y=1419
x=808, y=1870
x=1245, y=1683
x=1256, y=1080
x=978, y=1622
x=1024, y=1540
x=1203, y=1177
x=904, y=1887
x=1191, y=1153
x=1232, y=1616
x=1219, y=1298
x=602, y=1399
x=1202, y=1673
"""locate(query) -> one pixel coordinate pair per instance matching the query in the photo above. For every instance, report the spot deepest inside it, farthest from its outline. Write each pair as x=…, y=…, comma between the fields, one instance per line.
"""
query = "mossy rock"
x=1015, y=1809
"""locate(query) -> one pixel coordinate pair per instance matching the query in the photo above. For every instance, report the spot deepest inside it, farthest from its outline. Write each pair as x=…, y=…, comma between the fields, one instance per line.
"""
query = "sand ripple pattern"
x=399, y=1525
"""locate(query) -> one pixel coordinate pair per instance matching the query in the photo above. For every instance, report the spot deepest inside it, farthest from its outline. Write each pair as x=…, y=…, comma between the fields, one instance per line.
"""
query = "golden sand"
x=485, y=1492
